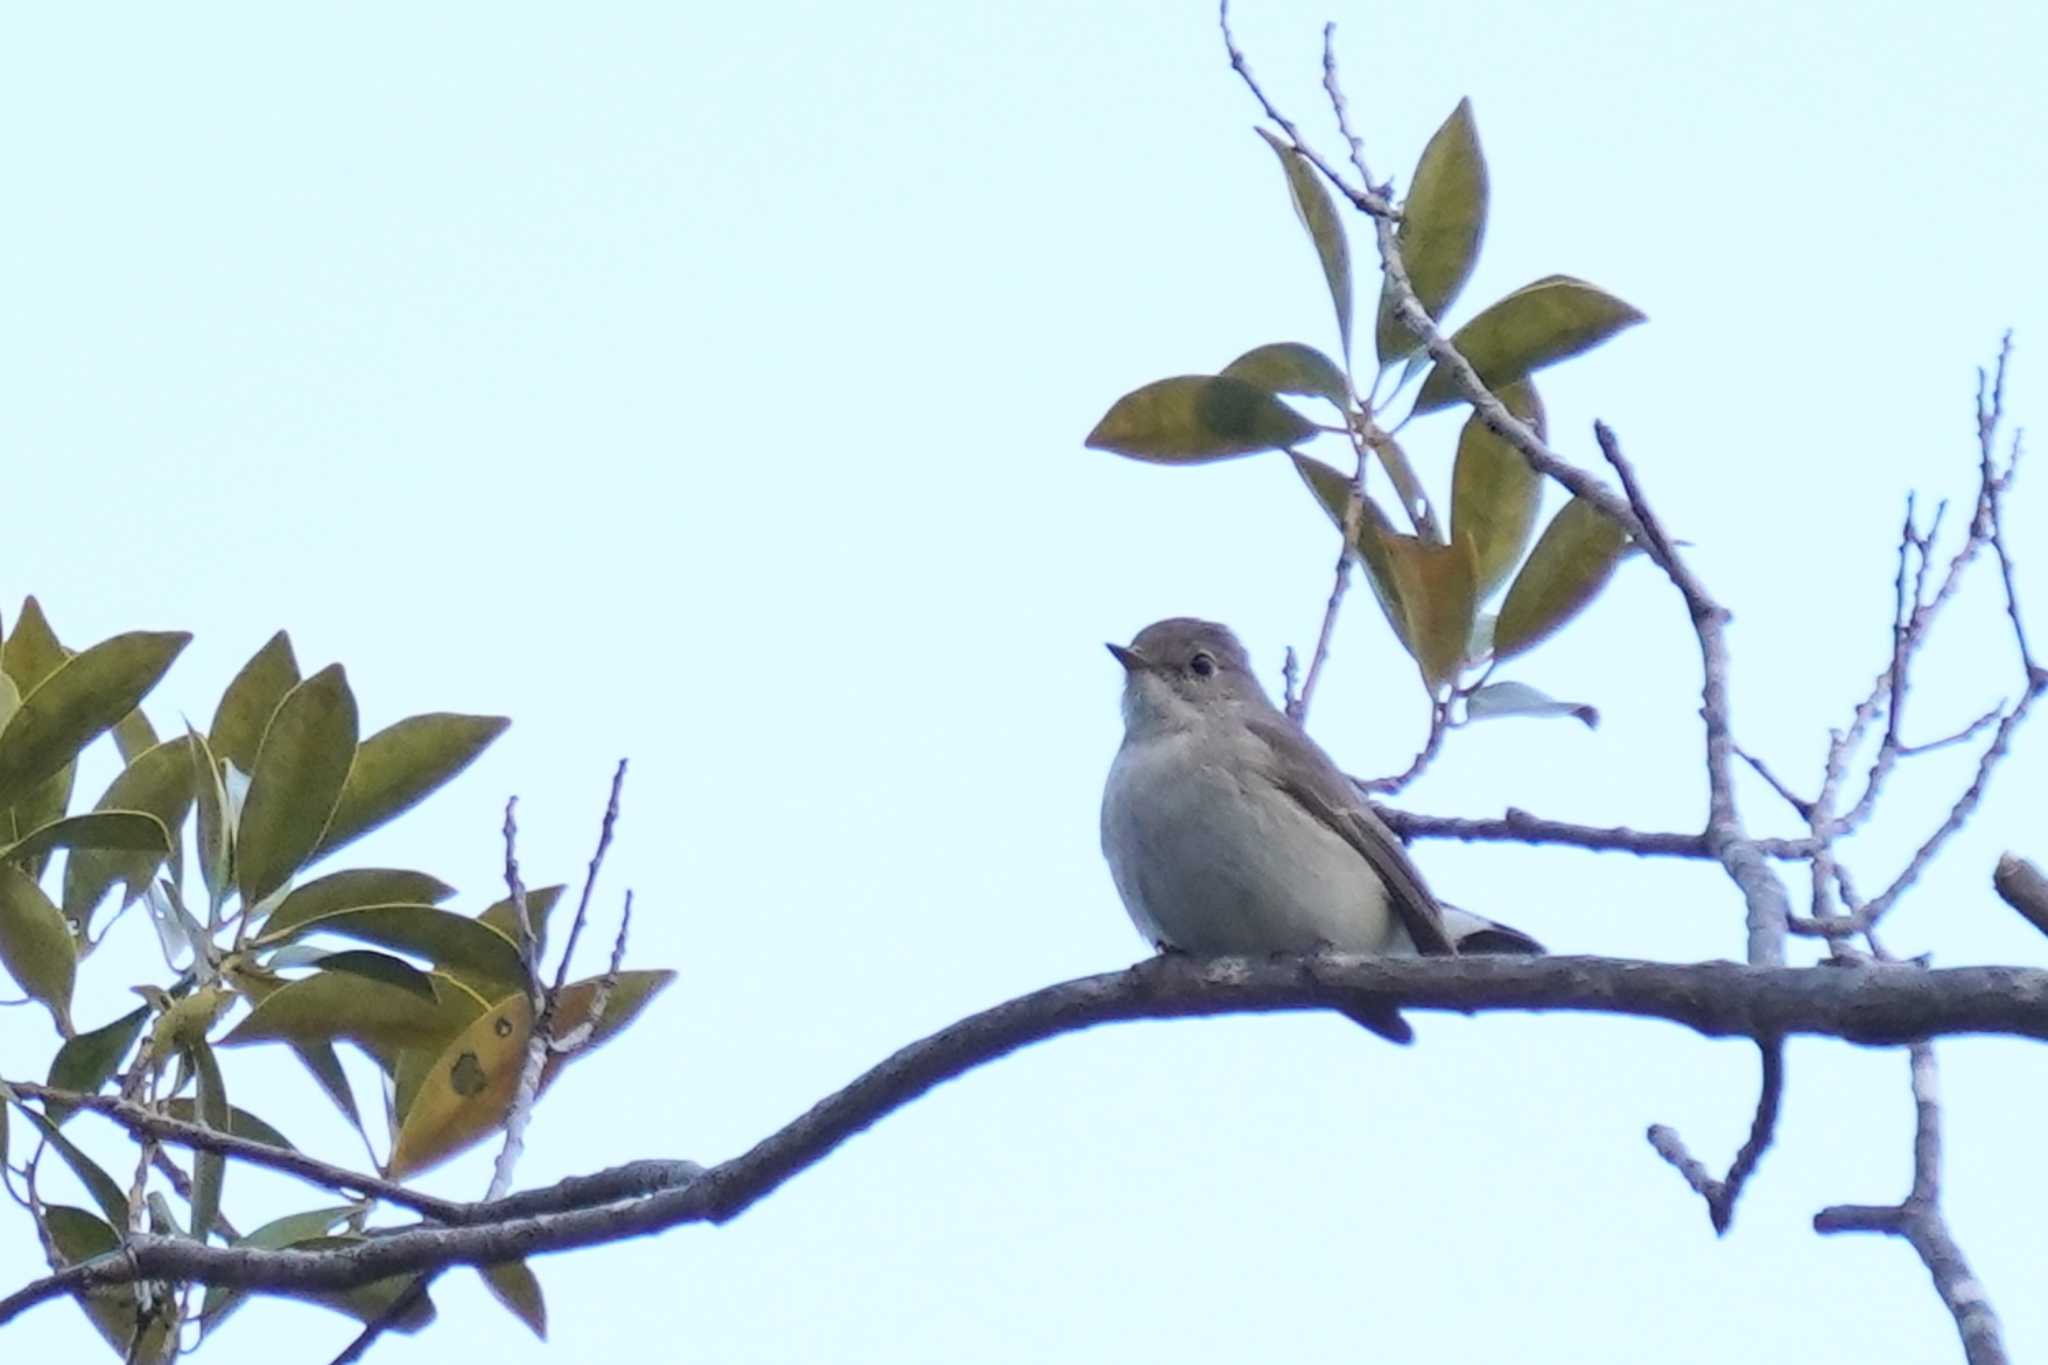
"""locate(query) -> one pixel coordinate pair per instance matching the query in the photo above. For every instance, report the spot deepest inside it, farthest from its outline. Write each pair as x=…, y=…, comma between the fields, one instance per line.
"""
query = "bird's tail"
x=1476, y=934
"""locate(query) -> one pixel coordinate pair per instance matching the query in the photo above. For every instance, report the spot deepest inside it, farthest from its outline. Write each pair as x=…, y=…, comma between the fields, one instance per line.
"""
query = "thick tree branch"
x=1879, y=1005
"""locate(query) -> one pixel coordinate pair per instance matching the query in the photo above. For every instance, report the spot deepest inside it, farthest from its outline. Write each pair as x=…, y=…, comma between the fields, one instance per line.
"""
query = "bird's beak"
x=1131, y=659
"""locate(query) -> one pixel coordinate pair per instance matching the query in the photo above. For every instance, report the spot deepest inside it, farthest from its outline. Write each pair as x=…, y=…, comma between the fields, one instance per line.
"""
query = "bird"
x=1228, y=831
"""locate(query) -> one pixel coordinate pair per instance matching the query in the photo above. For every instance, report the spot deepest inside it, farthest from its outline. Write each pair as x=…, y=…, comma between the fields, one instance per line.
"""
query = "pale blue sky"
x=706, y=385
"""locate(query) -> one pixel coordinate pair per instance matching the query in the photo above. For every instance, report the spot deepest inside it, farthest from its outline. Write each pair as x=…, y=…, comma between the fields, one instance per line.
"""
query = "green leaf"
x=33, y=652
x=209, y=1169
x=1520, y=699
x=1318, y=214
x=134, y=735
x=513, y=1284
x=43, y=806
x=393, y=971
x=326, y=1006
x=1537, y=325
x=300, y=769
x=114, y=1310
x=1290, y=367
x=77, y=703
x=1375, y=534
x=276, y=1235
x=1572, y=561
x=1436, y=585
x=441, y=936
x=1494, y=492
x=250, y=700
x=324, y=1066
x=401, y=765
x=88, y=1061
x=241, y=1123
x=504, y=916
x=130, y=831
x=158, y=781
x=1331, y=487
x=35, y=944
x=370, y=1302
x=214, y=833
x=1194, y=418
x=351, y=890
x=105, y=1193
x=1442, y=223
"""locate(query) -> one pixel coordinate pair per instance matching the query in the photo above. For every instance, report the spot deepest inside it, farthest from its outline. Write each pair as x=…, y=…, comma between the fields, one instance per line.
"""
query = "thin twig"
x=1720, y=1195
x=1321, y=654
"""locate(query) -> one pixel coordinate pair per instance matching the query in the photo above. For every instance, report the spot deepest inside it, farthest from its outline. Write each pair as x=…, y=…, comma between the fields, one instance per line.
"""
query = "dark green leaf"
x=1572, y=561
x=77, y=702
x=209, y=1169
x=35, y=944
x=88, y=1061
x=1537, y=325
x=116, y=830
x=1494, y=492
x=42, y=807
x=158, y=781
x=324, y=1066
x=300, y=769
x=105, y=1193
x=33, y=652
x=1195, y=418
x=1332, y=488
x=504, y=916
x=134, y=735
x=276, y=1235
x=441, y=936
x=246, y=707
x=1520, y=699
x=241, y=1123
x=394, y=971
x=1318, y=214
x=1290, y=367
x=1442, y=224
x=401, y=765
x=114, y=1310
x=351, y=890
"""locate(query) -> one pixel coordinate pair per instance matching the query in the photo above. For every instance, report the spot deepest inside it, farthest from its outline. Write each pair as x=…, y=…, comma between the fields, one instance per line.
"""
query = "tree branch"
x=1878, y=1005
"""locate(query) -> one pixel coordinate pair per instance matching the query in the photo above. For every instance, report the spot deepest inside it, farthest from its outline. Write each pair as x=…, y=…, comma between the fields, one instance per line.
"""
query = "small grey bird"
x=1229, y=832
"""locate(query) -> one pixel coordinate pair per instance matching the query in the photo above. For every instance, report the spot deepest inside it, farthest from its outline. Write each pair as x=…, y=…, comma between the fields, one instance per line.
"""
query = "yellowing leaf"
x=1290, y=367
x=1436, y=585
x=1537, y=325
x=630, y=994
x=250, y=700
x=35, y=944
x=466, y=1093
x=1442, y=223
x=1572, y=561
x=401, y=765
x=1494, y=492
x=1318, y=214
x=300, y=769
x=1195, y=418
x=77, y=702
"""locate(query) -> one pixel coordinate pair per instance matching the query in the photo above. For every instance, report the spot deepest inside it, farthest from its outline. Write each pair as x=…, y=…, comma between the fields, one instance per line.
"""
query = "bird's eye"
x=1204, y=663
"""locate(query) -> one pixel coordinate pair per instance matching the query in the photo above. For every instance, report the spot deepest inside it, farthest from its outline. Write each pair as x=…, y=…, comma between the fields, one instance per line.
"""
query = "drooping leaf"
x=1331, y=488
x=102, y=1187
x=1443, y=221
x=35, y=944
x=1436, y=587
x=1572, y=561
x=1394, y=460
x=324, y=1067
x=276, y=1235
x=1494, y=492
x=372, y=1301
x=1318, y=214
x=401, y=765
x=1290, y=367
x=158, y=781
x=1194, y=418
x=440, y=936
x=513, y=1284
x=250, y=700
x=1537, y=325
x=115, y=1311
x=87, y=1061
x=77, y=702
x=350, y=890
x=1520, y=699
x=1375, y=532
x=241, y=1123
x=300, y=769
x=467, y=1091
x=209, y=1169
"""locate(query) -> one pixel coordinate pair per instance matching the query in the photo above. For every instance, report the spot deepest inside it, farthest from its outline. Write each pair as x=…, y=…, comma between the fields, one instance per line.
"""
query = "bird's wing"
x=1303, y=771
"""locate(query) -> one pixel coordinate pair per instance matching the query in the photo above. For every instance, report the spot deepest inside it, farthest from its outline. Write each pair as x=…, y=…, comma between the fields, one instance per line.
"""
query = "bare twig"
x=1439, y=717
x=1298, y=709
x=1520, y=827
x=1721, y=1195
